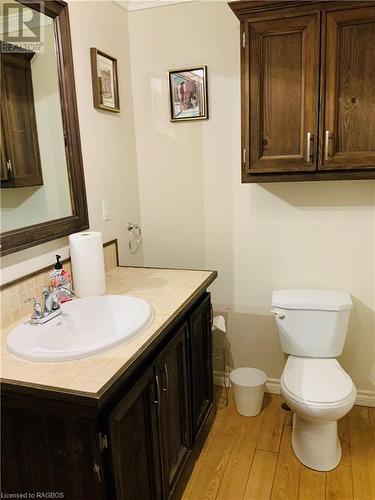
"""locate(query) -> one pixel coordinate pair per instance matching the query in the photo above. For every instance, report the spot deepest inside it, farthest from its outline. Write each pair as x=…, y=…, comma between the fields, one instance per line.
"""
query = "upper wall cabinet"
x=307, y=85
x=21, y=165
x=348, y=120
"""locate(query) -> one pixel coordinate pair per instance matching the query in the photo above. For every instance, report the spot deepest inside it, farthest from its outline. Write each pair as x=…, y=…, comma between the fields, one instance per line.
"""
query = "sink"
x=87, y=326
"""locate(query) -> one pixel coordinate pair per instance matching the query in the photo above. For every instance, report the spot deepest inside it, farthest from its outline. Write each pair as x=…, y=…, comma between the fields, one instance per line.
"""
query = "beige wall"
x=195, y=211
x=107, y=138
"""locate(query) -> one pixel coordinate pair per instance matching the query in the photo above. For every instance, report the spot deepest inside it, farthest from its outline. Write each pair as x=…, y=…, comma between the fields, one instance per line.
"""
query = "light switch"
x=106, y=206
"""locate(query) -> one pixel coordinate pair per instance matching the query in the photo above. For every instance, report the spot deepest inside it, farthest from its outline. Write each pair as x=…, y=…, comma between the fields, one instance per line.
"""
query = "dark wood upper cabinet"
x=307, y=98
x=3, y=156
x=349, y=89
x=21, y=164
x=282, y=60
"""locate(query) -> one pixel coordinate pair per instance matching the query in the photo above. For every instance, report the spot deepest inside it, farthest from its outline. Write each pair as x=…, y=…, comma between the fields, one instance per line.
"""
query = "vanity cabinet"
x=20, y=156
x=173, y=403
x=136, y=440
x=200, y=324
x=307, y=99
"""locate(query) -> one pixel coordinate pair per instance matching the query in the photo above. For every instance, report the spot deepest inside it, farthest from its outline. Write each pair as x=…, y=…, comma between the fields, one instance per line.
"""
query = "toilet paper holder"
x=220, y=354
x=135, y=235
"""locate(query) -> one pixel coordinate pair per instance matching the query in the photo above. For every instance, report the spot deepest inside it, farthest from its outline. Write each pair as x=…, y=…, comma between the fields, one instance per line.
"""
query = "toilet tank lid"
x=323, y=300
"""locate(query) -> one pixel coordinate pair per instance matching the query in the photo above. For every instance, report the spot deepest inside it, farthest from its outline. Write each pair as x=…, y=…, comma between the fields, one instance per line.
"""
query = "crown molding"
x=132, y=5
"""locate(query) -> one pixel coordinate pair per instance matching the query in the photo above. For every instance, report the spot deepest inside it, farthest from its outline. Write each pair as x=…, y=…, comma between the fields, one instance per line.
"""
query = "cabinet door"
x=348, y=128
x=3, y=157
x=18, y=120
x=200, y=337
x=42, y=452
x=174, y=408
x=280, y=89
x=134, y=445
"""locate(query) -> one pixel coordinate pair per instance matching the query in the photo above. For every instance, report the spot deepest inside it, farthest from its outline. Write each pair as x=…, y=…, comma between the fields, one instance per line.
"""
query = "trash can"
x=248, y=390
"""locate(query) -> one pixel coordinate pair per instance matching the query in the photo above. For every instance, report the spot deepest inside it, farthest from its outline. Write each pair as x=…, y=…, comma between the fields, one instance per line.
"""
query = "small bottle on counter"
x=60, y=277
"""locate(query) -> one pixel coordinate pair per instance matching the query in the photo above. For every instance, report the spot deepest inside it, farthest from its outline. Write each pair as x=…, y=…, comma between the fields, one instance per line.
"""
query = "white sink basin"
x=86, y=327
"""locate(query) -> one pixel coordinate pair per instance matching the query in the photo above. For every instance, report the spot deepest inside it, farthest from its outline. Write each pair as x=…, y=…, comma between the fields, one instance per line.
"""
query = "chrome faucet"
x=51, y=307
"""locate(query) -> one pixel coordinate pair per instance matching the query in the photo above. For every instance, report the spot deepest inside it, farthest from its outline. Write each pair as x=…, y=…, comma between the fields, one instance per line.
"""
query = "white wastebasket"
x=248, y=390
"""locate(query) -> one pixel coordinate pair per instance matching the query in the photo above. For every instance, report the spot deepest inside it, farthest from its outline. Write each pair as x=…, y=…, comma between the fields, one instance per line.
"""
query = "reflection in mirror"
x=34, y=171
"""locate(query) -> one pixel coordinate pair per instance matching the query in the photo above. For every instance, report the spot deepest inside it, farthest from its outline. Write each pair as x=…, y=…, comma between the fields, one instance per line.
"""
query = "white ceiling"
x=148, y=4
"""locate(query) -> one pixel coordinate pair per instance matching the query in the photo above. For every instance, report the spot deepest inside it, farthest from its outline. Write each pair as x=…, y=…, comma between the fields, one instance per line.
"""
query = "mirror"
x=42, y=184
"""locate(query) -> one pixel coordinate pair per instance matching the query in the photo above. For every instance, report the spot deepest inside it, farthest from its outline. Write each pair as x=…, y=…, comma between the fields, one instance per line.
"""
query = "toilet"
x=312, y=326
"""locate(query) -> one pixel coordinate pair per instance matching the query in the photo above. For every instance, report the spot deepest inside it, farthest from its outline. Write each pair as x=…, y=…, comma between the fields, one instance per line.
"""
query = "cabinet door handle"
x=165, y=389
x=157, y=400
x=326, y=145
x=309, y=138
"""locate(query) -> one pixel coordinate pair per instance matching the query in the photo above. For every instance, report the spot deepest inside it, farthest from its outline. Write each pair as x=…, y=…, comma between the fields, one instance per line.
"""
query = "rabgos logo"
x=49, y=494
x=22, y=28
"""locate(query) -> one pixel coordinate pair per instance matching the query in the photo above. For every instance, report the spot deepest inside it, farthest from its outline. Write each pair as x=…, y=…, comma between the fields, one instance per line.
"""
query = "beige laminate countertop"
x=167, y=290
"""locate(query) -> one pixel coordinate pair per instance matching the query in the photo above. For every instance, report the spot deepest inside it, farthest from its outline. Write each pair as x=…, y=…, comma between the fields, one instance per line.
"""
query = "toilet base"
x=316, y=443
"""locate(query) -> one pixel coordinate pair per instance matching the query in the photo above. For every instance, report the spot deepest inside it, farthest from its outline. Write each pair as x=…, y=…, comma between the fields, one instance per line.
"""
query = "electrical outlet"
x=106, y=207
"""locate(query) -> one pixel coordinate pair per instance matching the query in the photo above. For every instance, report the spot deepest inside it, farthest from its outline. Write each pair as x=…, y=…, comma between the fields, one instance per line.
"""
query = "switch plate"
x=106, y=207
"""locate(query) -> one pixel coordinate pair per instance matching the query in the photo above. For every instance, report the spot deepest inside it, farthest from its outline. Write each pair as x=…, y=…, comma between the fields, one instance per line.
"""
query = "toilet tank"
x=312, y=323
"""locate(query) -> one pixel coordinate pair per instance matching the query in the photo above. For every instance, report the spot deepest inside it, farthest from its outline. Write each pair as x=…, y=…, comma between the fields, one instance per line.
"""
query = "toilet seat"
x=316, y=381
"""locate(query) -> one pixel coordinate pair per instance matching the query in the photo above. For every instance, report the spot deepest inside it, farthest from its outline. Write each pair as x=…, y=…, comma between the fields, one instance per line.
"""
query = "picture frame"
x=188, y=97
x=104, y=81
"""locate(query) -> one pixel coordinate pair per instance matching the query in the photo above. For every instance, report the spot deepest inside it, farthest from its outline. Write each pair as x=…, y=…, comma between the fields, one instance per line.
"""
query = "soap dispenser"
x=60, y=277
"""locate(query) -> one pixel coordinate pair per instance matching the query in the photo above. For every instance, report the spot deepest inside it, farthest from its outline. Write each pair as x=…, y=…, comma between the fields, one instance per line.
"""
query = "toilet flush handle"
x=279, y=313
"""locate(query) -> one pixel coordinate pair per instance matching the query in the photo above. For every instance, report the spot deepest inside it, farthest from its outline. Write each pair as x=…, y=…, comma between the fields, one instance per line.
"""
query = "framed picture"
x=188, y=94
x=104, y=81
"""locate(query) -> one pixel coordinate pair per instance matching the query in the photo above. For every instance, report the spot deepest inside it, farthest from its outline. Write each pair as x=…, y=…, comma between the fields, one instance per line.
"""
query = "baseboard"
x=364, y=398
x=273, y=386
x=219, y=379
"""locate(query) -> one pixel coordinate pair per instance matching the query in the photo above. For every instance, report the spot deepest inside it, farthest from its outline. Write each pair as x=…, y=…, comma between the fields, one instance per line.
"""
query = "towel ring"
x=134, y=231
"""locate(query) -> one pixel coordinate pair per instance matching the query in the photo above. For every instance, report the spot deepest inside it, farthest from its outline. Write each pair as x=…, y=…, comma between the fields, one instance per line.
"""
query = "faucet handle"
x=32, y=299
x=55, y=303
x=37, y=307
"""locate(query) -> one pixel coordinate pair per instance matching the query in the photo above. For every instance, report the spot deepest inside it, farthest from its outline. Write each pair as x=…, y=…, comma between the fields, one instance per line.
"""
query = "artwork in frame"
x=104, y=81
x=188, y=94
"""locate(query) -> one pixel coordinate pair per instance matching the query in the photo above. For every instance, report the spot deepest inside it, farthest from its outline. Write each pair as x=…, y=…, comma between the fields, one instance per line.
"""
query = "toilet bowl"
x=319, y=392
x=312, y=327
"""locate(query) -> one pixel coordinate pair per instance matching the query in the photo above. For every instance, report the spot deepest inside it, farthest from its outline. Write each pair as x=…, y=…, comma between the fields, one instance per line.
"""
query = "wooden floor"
x=252, y=458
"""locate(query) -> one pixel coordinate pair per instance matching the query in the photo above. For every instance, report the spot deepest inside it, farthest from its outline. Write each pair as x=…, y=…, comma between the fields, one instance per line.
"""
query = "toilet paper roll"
x=87, y=258
x=219, y=324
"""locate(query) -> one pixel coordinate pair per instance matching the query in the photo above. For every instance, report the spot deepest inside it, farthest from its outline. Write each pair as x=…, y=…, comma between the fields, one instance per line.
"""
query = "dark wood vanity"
x=137, y=439
x=307, y=90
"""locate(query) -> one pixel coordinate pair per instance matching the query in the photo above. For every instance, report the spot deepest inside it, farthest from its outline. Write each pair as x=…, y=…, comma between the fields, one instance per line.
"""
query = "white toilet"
x=312, y=327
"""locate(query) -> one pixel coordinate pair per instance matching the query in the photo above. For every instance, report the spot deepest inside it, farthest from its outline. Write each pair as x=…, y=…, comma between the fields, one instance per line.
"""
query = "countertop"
x=168, y=291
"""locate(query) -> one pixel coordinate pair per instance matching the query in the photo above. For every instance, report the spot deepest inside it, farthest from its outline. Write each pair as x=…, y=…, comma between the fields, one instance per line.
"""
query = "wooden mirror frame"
x=19, y=239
